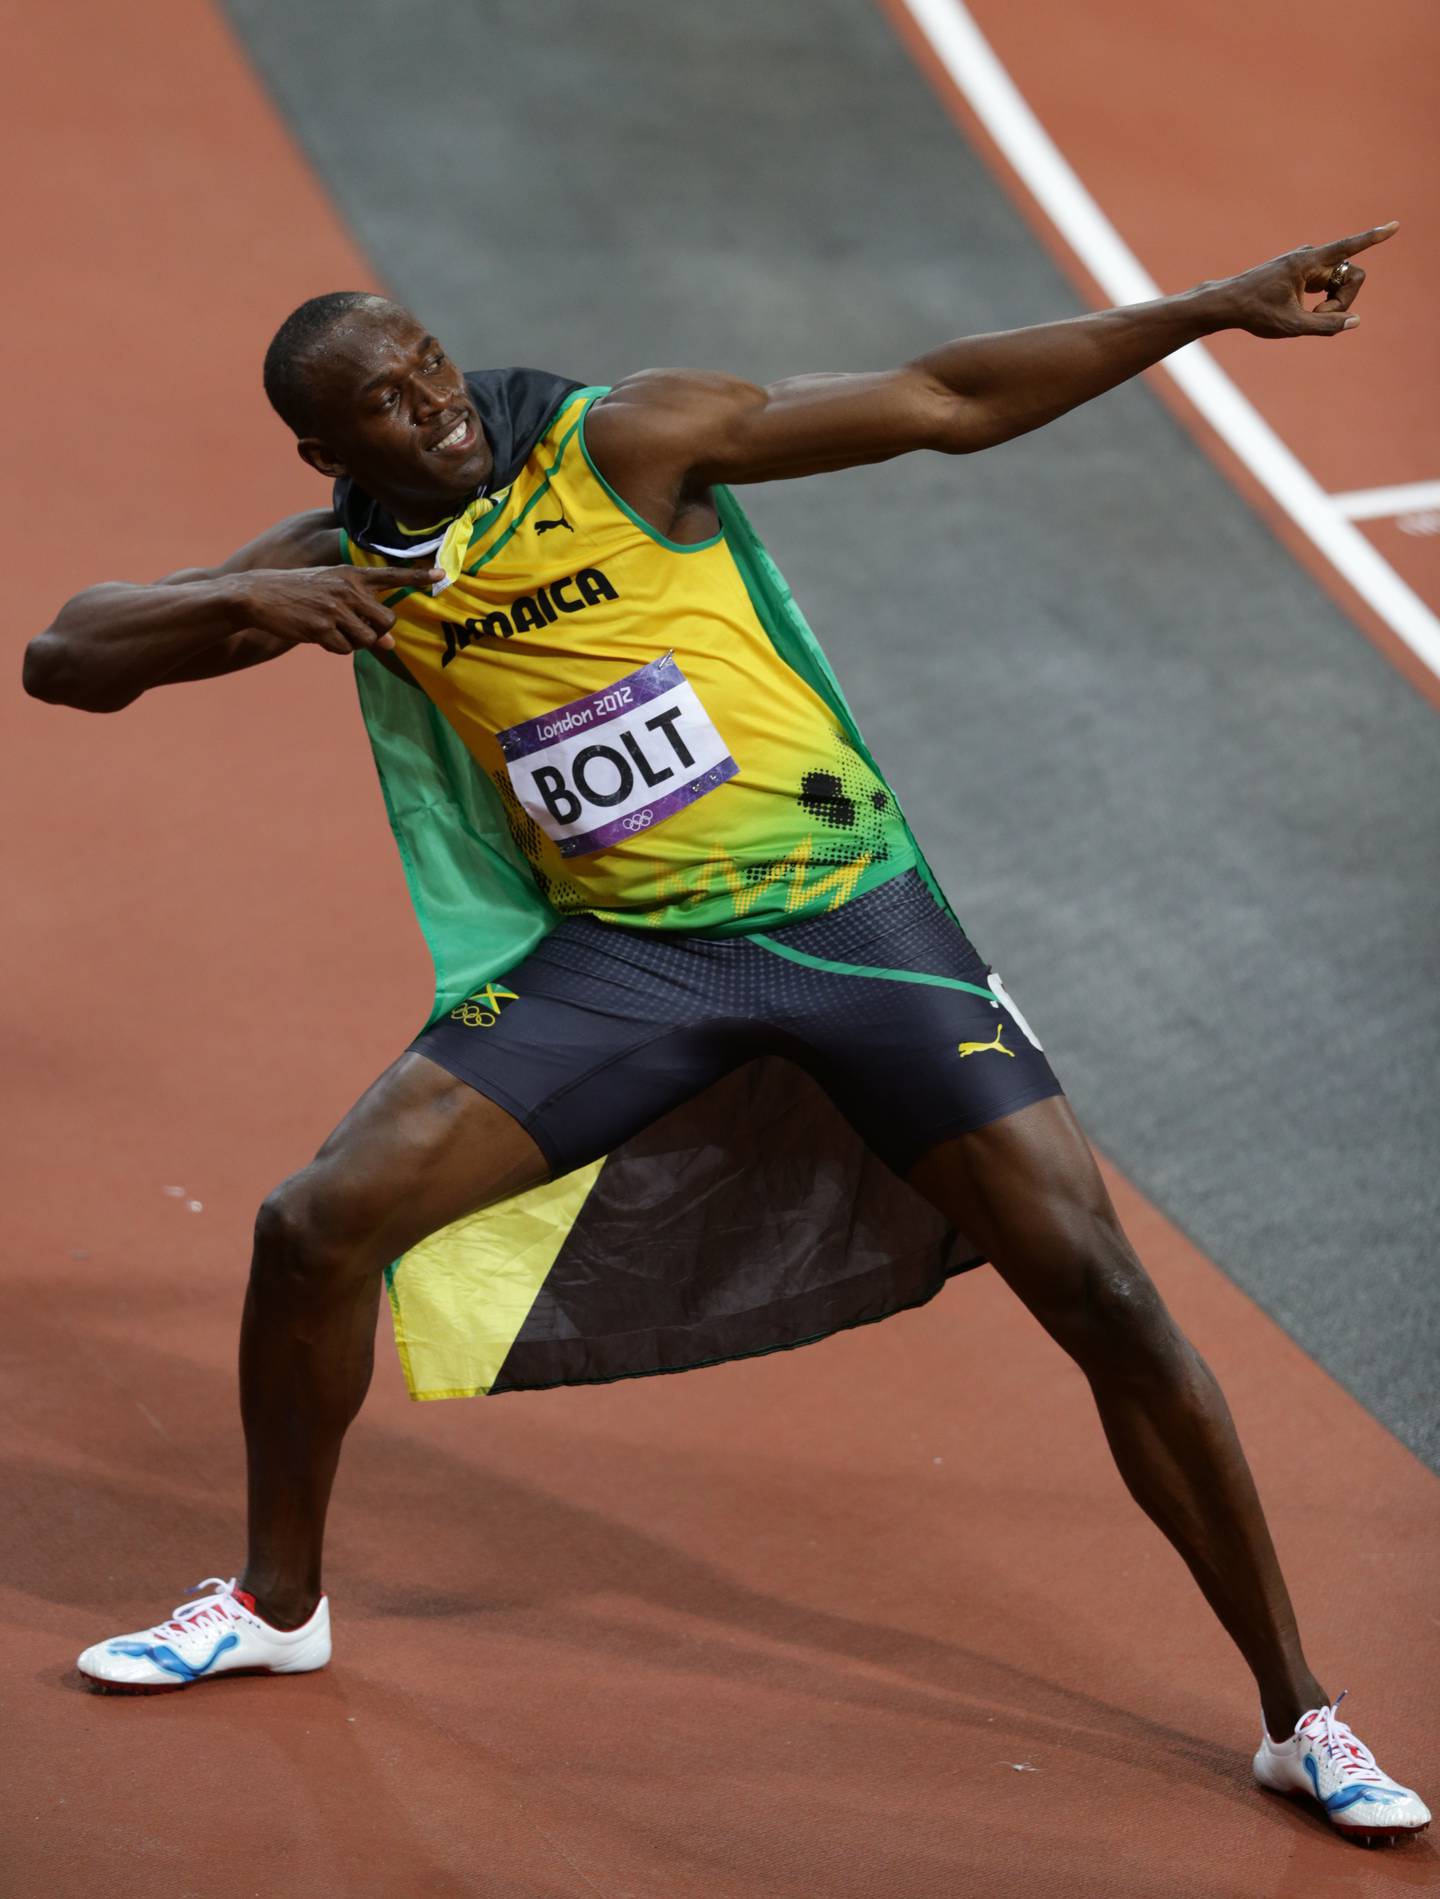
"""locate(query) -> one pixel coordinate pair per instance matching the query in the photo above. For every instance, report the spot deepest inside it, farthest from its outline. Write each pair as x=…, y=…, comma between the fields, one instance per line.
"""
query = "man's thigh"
x=1026, y=1186
x=418, y=1150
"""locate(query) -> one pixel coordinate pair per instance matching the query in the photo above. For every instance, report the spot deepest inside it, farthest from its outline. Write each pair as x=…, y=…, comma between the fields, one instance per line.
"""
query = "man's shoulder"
x=311, y=528
x=310, y=539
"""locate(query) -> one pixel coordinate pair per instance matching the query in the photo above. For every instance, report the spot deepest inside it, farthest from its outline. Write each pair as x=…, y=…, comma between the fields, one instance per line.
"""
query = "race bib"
x=609, y=766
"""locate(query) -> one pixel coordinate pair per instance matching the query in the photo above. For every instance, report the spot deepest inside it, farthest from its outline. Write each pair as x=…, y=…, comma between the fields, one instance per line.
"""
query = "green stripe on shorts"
x=879, y=975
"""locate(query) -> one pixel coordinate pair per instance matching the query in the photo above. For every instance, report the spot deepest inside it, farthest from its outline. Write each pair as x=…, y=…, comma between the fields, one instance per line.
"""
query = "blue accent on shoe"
x=173, y=1664
x=1345, y=1797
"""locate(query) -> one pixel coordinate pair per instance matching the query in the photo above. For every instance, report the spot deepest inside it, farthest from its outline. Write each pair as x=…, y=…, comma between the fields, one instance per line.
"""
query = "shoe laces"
x=206, y=1612
x=1348, y=1754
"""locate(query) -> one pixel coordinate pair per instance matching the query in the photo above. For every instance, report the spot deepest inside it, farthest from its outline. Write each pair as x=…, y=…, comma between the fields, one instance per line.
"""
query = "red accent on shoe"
x=244, y=1597
x=98, y=1687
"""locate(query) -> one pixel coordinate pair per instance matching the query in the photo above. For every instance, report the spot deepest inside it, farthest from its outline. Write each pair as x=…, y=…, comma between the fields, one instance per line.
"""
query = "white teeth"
x=455, y=435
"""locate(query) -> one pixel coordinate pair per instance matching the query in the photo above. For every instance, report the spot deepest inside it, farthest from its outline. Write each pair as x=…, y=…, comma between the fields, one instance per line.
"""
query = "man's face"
x=393, y=412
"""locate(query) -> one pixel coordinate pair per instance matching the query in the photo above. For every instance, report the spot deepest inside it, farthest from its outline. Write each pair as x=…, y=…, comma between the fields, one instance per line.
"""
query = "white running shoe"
x=1323, y=1759
x=218, y=1634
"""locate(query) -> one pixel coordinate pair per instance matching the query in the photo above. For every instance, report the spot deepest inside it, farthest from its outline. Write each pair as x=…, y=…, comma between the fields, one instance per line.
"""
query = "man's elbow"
x=42, y=670
x=948, y=423
x=48, y=673
x=964, y=426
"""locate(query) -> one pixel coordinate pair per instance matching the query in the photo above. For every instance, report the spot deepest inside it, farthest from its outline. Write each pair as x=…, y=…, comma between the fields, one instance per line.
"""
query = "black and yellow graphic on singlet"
x=660, y=763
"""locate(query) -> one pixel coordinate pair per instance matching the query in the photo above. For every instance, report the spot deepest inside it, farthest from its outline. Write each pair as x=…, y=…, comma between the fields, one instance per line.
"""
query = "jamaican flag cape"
x=749, y=1219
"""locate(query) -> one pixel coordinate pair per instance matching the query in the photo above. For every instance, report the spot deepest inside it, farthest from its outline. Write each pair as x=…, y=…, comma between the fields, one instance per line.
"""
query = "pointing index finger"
x=389, y=577
x=1347, y=246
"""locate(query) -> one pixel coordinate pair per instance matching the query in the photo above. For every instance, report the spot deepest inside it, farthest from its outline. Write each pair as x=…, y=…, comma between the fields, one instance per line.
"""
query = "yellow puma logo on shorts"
x=979, y=1048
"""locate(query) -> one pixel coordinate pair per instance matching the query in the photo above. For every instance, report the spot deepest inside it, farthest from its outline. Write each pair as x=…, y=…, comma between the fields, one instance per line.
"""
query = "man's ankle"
x=1285, y=1708
x=283, y=1608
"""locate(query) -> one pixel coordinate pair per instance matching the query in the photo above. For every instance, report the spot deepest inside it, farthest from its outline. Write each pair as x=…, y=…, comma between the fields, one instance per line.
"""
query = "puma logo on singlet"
x=980, y=1048
x=531, y=613
x=544, y=527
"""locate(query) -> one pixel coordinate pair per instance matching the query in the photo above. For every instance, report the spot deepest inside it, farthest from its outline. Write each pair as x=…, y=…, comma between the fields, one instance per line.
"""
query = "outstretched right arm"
x=287, y=588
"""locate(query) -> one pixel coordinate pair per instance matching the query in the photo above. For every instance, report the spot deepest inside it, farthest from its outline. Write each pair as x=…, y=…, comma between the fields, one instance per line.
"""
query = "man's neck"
x=421, y=513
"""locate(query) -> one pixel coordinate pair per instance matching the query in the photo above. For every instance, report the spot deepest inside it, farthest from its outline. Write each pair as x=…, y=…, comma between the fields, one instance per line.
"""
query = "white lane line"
x=992, y=95
x=1378, y=504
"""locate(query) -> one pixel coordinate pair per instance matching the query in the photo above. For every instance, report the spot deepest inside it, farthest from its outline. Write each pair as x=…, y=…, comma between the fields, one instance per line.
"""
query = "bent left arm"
x=663, y=437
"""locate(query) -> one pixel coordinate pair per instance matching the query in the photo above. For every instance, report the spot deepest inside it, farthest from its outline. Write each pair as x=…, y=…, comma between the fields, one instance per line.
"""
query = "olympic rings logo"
x=638, y=820
x=472, y=1017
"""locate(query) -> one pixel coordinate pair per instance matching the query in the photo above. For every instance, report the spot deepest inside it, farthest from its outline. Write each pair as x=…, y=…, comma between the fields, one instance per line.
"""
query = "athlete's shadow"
x=574, y=1568
x=527, y=1558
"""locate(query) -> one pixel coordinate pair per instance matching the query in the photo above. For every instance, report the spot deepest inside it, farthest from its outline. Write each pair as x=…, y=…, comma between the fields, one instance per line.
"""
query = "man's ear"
x=313, y=452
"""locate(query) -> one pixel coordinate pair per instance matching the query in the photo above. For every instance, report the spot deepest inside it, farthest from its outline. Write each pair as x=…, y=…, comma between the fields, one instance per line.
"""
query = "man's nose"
x=431, y=397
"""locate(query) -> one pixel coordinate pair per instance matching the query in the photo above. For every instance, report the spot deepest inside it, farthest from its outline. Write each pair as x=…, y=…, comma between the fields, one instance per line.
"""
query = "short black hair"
x=296, y=341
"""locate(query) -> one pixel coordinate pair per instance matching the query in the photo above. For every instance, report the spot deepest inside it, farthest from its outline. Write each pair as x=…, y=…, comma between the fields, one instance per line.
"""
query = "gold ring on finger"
x=1338, y=278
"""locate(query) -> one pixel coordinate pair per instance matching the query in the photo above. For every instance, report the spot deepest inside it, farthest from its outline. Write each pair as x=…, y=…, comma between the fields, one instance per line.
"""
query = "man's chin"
x=429, y=490
x=464, y=478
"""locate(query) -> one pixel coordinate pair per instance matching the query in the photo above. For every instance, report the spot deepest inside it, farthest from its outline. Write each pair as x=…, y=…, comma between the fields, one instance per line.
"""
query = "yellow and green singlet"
x=669, y=746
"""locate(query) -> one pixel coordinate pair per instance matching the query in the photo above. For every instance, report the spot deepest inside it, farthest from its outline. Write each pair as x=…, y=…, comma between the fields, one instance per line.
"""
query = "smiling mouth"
x=461, y=436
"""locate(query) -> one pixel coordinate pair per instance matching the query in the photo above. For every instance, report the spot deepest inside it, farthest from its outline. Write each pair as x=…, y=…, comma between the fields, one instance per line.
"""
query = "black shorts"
x=602, y=1029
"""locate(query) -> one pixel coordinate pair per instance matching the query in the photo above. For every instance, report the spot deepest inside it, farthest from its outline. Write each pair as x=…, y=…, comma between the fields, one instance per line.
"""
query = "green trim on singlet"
x=654, y=534
x=860, y=969
x=491, y=518
x=514, y=528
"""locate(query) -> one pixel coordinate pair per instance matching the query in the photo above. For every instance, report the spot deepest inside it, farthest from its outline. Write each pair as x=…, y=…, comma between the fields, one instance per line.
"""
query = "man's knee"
x=1109, y=1316
x=311, y=1236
